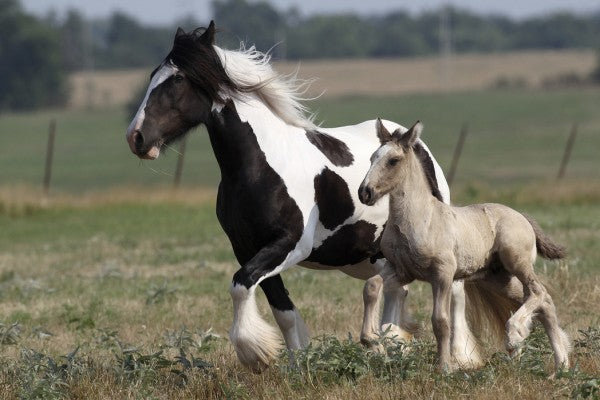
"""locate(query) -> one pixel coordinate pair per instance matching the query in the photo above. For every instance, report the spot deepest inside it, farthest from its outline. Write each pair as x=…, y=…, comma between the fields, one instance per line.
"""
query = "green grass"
x=130, y=277
x=131, y=283
x=514, y=136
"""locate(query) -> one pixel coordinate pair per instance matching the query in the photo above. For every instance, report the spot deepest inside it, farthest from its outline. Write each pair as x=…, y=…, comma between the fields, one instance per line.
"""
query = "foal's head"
x=389, y=163
x=181, y=93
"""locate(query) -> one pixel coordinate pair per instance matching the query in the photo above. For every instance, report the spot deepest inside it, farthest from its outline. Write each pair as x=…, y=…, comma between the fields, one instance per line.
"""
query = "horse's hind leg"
x=371, y=297
x=291, y=324
x=558, y=338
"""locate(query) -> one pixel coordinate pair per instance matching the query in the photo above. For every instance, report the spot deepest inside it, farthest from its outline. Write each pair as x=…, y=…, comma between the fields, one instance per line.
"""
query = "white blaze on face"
x=166, y=70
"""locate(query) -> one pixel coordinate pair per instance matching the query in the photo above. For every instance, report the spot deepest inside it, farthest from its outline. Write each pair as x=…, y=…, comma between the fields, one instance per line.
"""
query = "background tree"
x=31, y=72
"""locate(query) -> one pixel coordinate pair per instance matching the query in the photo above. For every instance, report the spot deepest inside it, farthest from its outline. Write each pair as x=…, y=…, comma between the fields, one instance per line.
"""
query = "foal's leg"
x=441, y=284
x=371, y=297
x=291, y=324
x=395, y=317
x=519, y=325
x=558, y=338
x=465, y=349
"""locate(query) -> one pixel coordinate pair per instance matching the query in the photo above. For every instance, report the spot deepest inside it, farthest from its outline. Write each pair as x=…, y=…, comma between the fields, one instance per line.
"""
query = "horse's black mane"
x=428, y=169
x=195, y=55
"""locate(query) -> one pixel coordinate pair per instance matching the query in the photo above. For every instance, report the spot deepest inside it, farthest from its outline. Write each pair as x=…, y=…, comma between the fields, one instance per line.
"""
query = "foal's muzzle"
x=365, y=195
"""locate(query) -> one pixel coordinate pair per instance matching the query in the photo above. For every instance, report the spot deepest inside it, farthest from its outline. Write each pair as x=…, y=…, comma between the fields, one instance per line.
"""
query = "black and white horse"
x=289, y=189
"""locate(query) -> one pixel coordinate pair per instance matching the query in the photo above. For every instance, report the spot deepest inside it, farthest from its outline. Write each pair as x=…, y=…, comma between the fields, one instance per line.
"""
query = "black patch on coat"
x=350, y=245
x=334, y=149
x=261, y=220
x=429, y=170
x=332, y=196
x=276, y=293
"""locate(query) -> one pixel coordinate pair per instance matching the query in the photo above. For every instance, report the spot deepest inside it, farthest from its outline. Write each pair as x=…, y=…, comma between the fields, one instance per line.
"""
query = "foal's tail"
x=546, y=247
x=487, y=312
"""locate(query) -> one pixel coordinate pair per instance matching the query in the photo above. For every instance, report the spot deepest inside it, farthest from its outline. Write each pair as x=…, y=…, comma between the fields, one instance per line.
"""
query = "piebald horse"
x=288, y=190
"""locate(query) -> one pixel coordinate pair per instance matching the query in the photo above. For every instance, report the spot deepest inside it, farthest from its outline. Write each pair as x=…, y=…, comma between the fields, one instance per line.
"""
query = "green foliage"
x=328, y=360
x=31, y=70
x=10, y=334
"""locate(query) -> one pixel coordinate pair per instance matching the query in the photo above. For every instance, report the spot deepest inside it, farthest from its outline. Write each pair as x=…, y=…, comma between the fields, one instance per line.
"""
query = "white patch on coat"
x=166, y=70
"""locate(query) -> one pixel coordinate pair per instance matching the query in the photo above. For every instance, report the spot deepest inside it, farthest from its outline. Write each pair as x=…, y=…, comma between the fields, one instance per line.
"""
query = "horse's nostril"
x=138, y=140
x=368, y=193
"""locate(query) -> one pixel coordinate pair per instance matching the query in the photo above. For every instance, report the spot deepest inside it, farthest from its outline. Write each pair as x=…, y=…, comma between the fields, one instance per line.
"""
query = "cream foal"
x=488, y=244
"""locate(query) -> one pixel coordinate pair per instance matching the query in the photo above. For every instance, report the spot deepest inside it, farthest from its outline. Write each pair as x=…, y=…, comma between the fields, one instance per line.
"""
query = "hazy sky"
x=150, y=11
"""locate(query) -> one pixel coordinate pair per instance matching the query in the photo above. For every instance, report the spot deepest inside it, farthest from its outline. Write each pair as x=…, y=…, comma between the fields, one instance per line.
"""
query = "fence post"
x=457, y=152
x=567, y=152
x=49, y=155
x=179, y=167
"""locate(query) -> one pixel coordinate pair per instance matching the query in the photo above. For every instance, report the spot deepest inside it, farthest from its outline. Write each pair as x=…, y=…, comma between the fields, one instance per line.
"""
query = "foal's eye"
x=178, y=78
x=393, y=161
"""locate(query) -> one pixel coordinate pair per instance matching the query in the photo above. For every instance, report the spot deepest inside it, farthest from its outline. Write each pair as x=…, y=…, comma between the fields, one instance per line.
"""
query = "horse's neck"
x=236, y=147
x=412, y=206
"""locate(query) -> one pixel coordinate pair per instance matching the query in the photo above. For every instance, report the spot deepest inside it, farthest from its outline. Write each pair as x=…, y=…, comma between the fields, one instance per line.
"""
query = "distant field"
x=372, y=77
x=515, y=137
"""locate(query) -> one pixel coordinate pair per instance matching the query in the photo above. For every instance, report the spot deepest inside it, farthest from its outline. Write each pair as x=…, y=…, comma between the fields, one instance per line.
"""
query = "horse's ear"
x=410, y=137
x=208, y=37
x=382, y=133
x=179, y=32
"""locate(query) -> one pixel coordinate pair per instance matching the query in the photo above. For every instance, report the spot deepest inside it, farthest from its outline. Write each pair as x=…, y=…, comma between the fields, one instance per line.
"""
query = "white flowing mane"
x=282, y=94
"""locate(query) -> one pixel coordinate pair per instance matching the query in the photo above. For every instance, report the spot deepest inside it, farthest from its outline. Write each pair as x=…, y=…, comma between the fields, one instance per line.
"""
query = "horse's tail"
x=546, y=247
x=488, y=311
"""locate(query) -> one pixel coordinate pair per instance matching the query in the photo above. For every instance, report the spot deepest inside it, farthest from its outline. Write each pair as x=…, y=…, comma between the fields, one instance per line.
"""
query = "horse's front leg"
x=441, y=285
x=295, y=332
x=255, y=341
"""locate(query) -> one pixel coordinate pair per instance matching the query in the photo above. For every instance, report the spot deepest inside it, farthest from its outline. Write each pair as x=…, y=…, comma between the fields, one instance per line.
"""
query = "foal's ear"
x=208, y=37
x=410, y=137
x=179, y=32
x=382, y=133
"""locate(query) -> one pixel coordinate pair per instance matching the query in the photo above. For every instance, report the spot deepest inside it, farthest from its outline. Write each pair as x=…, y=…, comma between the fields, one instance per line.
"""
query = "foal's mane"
x=220, y=73
x=428, y=169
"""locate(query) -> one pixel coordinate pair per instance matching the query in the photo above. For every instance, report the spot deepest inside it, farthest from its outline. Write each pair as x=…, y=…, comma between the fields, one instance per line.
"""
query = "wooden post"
x=49, y=156
x=179, y=167
x=567, y=153
x=457, y=152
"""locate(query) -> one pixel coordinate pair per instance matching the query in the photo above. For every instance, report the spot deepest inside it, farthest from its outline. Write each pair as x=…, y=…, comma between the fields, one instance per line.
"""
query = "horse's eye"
x=178, y=78
x=393, y=161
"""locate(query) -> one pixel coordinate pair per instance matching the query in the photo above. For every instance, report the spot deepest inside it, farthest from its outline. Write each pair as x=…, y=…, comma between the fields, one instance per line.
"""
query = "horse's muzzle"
x=365, y=195
x=136, y=142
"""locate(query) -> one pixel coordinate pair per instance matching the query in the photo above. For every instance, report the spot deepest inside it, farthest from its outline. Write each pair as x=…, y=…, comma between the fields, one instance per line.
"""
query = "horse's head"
x=388, y=162
x=182, y=91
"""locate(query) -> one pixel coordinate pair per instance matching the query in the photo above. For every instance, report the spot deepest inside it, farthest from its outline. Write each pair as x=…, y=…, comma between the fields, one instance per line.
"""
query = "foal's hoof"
x=395, y=333
x=446, y=368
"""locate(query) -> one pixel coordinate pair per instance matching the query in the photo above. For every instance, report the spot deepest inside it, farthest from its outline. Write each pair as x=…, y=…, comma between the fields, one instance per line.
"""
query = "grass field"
x=121, y=279
x=133, y=276
x=515, y=136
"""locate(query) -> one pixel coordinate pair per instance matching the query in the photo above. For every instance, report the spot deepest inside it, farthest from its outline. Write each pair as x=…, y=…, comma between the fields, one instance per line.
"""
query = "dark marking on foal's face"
x=332, y=196
x=334, y=149
x=350, y=245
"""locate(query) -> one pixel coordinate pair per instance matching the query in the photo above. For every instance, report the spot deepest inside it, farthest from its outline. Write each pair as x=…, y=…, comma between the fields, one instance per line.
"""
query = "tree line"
x=43, y=50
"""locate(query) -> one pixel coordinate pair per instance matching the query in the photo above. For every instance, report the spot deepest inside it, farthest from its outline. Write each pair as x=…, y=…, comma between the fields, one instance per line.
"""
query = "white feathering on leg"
x=254, y=340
